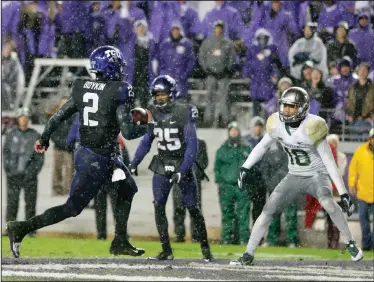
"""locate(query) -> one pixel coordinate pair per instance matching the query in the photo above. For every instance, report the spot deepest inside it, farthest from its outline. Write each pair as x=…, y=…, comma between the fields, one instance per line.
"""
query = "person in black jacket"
x=341, y=46
x=22, y=166
x=179, y=208
x=63, y=169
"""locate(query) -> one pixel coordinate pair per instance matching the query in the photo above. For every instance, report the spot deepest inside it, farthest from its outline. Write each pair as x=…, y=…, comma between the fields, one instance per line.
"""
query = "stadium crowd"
x=323, y=46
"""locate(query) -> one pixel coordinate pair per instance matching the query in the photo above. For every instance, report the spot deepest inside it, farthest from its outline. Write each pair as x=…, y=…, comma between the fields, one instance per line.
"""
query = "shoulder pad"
x=316, y=128
x=272, y=122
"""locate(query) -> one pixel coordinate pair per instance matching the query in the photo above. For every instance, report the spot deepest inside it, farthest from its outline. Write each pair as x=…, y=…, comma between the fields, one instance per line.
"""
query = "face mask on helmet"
x=293, y=105
x=161, y=100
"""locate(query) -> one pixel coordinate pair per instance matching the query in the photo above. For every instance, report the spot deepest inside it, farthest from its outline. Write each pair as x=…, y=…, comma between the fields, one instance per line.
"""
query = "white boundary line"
x=310, y=273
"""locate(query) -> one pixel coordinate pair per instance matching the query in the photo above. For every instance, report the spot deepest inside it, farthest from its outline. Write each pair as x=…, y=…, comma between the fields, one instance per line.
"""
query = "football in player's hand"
x=139, y=116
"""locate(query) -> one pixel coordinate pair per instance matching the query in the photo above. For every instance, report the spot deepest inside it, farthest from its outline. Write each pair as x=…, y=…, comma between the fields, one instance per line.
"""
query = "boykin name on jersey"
x=94, y=85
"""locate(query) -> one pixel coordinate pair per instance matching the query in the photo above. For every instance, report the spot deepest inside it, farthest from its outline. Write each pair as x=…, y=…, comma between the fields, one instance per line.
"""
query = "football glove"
x=243, y=174
x=346, y=204
x=176, y=178
x=133, y=169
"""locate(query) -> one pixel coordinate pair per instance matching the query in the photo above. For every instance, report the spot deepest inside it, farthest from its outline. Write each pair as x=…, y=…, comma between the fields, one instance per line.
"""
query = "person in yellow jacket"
x=361, y=183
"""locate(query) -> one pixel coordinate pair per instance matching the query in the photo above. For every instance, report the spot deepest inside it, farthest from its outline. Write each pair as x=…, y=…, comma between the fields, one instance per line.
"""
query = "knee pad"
x=329, y=204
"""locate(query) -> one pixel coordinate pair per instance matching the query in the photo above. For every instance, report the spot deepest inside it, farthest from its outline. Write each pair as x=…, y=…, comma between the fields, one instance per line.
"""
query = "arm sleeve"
x=73, y=135
x=259, y=151
x=143, y=148
x=329, y=162
x=191, y=149
x=66, y=111
x=352, y=173
x=129, y=130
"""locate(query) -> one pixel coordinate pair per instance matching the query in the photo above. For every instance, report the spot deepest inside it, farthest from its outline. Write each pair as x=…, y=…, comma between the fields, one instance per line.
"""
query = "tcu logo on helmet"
x=169, y=168
x=113, y=55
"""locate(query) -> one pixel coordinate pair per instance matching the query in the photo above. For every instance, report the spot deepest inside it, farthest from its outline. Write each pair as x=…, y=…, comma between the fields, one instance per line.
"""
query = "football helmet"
x=108, y=63
x=294, y=96
x=164, y=84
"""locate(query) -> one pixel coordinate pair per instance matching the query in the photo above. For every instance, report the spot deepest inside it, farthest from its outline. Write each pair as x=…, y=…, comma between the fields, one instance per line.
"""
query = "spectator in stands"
x=274, y=168
x=348, y=10
x=145, y=58
x=119, y=31
x=164, y=13
x=360, y=101
x=300, y=11
x=321, y=96
x=22, y=166
x=9, y=12
x=176, y=57
x=95, y=31
x=340, y=85
x=234, y=27
x=333, y=69
x=281, y=26
x=72, y=22
x=328, y=19
x=341, y=46
x=306, y=74
x=229, y=157
x=258, y=187
x=217, y=58
x=361, y=184
x=179, y=209
x=244, y=8
x=190, y=22
x=63, y=168
x=363, y=37
x=12, y=78
x=261, y=67
x=308, y=48
x=272, y=105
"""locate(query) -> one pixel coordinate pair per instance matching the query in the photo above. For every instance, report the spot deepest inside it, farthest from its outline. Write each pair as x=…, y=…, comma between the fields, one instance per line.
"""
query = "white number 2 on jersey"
x=93, y=109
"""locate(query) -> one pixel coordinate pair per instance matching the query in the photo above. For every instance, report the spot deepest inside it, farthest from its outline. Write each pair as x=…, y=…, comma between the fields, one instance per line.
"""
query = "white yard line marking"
x=310, y=278
x=60, y=275
x=323, y=272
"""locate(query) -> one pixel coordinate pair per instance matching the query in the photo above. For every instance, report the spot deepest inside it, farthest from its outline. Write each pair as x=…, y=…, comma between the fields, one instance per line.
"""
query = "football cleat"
x=354, y=250
x=15, y=237
x=246, y=259
x=123, y=247
x=207, y=254
x=164, y=255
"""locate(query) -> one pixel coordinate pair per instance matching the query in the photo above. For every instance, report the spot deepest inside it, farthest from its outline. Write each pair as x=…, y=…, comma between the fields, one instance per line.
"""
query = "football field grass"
x=92, y=248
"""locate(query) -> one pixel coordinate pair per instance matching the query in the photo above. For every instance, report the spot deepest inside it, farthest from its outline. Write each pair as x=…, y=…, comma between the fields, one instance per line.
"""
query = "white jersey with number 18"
x=300, y=143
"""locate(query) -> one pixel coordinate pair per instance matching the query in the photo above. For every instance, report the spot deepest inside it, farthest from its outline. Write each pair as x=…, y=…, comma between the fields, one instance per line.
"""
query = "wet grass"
x=92, y=248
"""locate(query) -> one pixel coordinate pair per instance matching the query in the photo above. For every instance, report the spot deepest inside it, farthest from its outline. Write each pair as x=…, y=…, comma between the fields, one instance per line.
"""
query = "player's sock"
x=122, y=213
x=259, y=228
x=49, y=217
x=200, y=226
x=162, y=223
x=337, y=217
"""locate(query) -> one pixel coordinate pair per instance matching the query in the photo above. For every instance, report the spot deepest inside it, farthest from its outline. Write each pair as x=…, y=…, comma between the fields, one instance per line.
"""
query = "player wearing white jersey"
x=311, y=169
